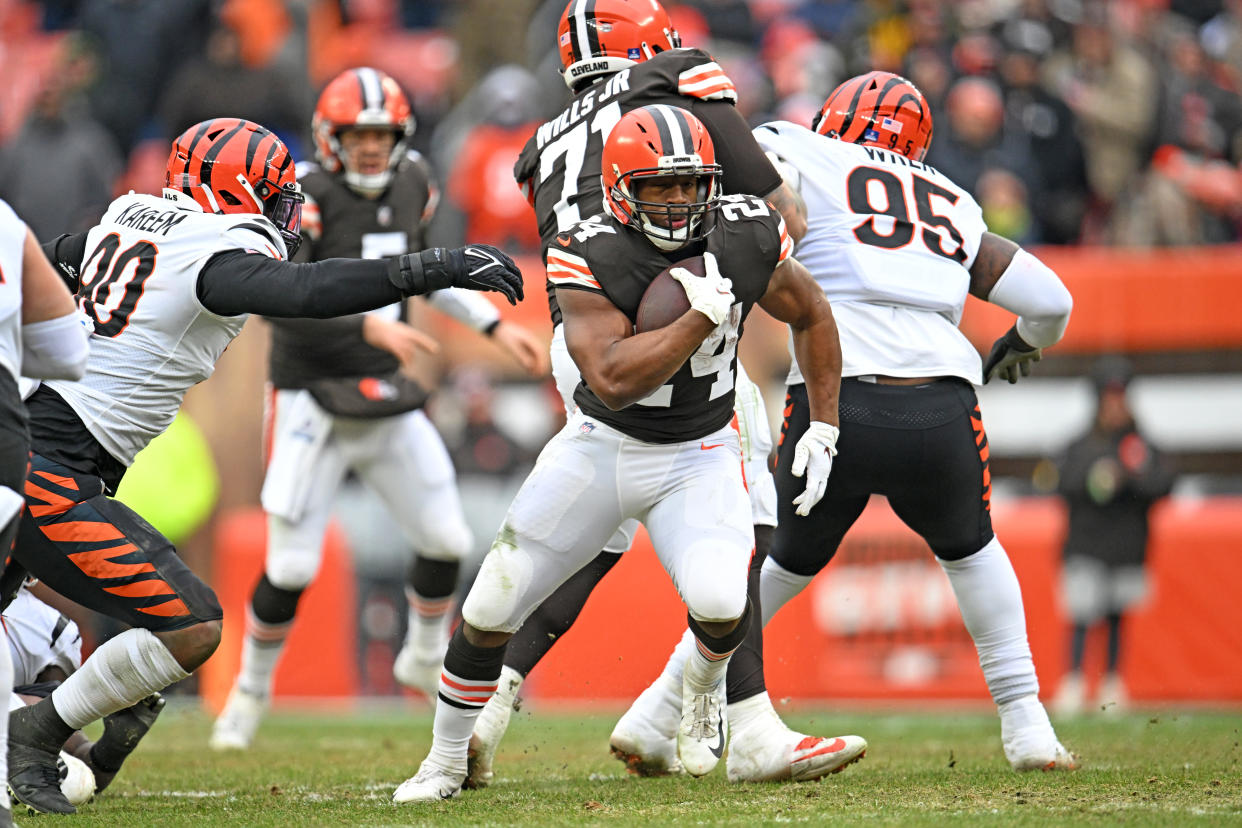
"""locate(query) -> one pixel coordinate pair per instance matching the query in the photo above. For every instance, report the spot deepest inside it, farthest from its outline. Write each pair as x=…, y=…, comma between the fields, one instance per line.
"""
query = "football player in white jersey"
x=896, y=247
x=47, y=648
x=652, y=436
x=41, y=336
x=168, y=282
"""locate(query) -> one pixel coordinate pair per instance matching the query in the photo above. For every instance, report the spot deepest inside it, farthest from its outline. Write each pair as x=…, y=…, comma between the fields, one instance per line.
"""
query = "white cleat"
x=236, y=726
x=785, y=754
x=490, y=728
x=430, y=784
x=704, y=730
x=1028, y=738
x=419, y=669
x=645, y=738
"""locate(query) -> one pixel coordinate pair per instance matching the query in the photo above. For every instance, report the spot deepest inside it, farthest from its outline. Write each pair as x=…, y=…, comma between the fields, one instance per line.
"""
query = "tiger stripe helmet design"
x=654, y=141
x=361, y=98
x=599, y=37
x=230, y=165
x=878, y=109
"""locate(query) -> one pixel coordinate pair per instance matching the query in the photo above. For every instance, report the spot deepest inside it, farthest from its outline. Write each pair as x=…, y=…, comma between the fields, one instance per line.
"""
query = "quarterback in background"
x=896, y=247
x=340, y=400
x=652, y=437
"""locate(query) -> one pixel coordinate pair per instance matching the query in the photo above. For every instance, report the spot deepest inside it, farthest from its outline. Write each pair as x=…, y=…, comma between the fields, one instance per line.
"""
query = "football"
x=665, y=300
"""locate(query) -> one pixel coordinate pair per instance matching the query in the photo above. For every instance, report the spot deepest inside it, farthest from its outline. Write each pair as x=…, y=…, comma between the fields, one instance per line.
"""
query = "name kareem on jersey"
x=582, y=107
x=150, y=220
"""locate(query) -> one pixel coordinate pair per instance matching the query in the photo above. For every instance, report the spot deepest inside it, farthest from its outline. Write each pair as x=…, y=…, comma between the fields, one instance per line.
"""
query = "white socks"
x=122, y=672
x=262, y=646
x=428, y=631
x=778, y=586
x=6, y=682
x=990, y=601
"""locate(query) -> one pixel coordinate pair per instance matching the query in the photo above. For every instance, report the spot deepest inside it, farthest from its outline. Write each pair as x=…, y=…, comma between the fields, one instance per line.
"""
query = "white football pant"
x=587, y=481
x=401, y=458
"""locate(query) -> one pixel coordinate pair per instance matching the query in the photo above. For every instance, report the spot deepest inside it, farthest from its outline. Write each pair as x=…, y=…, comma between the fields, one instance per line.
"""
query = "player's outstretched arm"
x=622, y=367
x=1006, y=275
x=236, y=281
x=794, y=297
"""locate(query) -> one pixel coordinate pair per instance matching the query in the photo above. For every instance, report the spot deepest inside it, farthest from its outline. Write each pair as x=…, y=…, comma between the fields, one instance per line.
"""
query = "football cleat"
x=490, y=728
x=1029, y=741
x=430, y=784
x=419, y=670
x=124, y=729
x=704, y=730
x=645, y=738
x=34, y=780
x=784, y=754
x=77, y=782
x=238, y=721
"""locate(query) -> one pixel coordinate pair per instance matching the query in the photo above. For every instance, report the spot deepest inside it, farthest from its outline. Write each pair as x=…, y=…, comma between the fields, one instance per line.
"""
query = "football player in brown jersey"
x=342, y=382
x=652, y=436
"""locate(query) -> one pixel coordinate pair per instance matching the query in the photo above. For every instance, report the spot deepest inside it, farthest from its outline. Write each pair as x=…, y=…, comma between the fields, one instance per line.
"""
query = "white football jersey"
x=153, y=339
x=40, y=637
x=12, y=240
x=891, y=242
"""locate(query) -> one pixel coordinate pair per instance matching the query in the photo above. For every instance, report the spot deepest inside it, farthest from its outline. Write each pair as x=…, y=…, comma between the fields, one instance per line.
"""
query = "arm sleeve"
x=1030, y=289
x=234, y=282
x=66, y=253
x=747, y=169
x=467, y=307
x=55, y=348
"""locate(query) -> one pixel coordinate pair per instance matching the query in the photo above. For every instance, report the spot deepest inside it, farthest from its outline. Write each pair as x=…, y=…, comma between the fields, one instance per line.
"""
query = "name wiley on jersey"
x=583, y=106
x=878, y=154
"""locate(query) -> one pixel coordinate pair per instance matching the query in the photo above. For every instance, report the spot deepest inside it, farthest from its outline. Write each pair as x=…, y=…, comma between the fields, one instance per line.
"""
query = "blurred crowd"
x=1072, y=121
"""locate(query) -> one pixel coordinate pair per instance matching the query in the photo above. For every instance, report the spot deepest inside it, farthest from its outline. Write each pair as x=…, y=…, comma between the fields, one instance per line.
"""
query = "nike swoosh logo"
x=705, y=446
x=563, y=241
x=719, y=748
x=835, y=745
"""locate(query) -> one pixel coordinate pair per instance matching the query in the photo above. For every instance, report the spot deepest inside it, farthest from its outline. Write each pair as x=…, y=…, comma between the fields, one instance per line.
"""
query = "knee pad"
x=292, y=569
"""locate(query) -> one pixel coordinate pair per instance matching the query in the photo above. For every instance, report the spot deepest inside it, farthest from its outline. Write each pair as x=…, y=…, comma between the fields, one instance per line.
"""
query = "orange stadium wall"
x=879, y=623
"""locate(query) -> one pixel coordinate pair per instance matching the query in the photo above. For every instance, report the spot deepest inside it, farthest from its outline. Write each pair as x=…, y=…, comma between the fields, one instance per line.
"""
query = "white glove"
x=710, y=294
x=813, y=455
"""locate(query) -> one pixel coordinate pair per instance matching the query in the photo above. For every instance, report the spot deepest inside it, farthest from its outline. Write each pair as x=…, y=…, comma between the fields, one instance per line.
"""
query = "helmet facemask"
x=282, y=205
x=670, y=225
x=369, y=184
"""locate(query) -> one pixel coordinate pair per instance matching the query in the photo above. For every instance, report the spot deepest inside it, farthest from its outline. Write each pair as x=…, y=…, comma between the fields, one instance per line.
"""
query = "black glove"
x=475, y=266
x=1010, y=356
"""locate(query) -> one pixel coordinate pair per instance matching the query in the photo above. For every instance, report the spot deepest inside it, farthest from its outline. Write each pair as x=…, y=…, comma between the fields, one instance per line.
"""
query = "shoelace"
x=705, y=718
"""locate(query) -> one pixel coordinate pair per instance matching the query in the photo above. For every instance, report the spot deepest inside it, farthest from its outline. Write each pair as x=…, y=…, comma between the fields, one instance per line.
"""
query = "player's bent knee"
x=449, y=541
x=709, y=604
x=292, y=571
x=191, y=646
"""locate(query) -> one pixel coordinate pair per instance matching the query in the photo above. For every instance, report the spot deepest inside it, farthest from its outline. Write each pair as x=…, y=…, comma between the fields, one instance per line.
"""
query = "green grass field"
x=927, y=768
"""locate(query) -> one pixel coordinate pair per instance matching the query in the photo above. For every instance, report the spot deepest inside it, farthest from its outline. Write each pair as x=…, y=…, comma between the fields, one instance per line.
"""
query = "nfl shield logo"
x=633, y=54
x=871, y=135
x=587, y=427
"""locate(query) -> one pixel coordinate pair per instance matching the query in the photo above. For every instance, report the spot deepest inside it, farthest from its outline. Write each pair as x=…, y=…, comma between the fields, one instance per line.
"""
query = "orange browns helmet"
x=661, y=140
x=878, y=109
x=228, y=165
x=599, y=37
x=362, y=97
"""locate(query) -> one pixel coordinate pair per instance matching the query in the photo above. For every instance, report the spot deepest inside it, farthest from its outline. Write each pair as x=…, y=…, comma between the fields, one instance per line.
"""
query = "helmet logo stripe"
x=372, y=89
x=578, y=29
x=592, y=30
x=210, y=156
x=674, y=131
